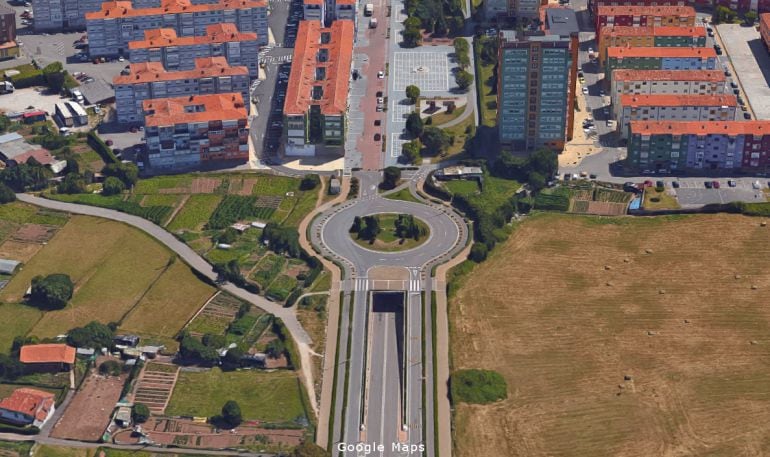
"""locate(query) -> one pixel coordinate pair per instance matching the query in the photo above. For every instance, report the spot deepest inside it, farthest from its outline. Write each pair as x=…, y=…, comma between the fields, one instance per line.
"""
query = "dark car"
x=377, y=137
x=733, y=85
x=592, y=176
x=377, y=122
x=747, y=116
x=567, y=176
x=675, y=184
x=660, y=184
x=708, y=184
x=715, y=184
x=379, y=93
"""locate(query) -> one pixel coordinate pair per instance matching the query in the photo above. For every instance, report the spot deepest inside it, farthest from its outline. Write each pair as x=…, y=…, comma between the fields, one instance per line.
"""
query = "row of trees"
x=407, y=227
x=433, y=139
x=119, y=177
x=366, y=228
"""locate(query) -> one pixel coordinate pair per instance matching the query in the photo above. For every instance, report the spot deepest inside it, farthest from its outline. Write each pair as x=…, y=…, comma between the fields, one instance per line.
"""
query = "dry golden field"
x=620, y=337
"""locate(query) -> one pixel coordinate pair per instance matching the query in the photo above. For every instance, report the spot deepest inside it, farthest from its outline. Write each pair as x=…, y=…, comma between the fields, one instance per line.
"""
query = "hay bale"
x=607, y=267
x=651, y=333
x=687, y=321
x=662, y=292
x=737, y=276
x=754, y=287
x=763, y=224
x=626, y=260
x=608, y=283
x=648, y=251
x=627, y=377
x=753, y=342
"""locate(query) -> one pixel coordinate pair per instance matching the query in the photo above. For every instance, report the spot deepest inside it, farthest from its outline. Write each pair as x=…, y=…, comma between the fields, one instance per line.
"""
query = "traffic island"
x=388, y=232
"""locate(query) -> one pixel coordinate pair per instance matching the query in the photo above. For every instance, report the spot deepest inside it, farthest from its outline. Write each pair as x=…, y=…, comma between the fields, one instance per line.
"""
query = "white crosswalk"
x=276, y=59
x=414, y=285
x=360, y=284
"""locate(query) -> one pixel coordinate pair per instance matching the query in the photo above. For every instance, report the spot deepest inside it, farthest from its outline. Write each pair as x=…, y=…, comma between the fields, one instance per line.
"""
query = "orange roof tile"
x=757, y=128
x=667, y=75
x=195, y=108
x=764, y=18
x=302, y=79
x=656, y=11
x=47, y=353
x=215, y=33
x=627, y=30
x=118, y=9
x=31, y=402
x=313, y=2
x=678, y=100
x=153, y=71
x=346, y=2
x=620, y=52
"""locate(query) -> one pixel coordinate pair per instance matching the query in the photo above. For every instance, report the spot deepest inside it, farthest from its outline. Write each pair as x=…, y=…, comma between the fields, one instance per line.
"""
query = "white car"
x=380, y=74
x=380, y=100
x=756, y=185
x=585, y=90
x=121, y=59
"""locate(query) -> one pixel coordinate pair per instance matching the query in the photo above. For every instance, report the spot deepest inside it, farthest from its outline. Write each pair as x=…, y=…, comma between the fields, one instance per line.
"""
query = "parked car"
x=377, y=137
x=756, y=185
x=380, y=75
x=733, y=85
x=675, y=184
x=592, y=176
x=715, y=184
x=731, y=183
x=747, y=116
x=660, y=184
x=708, y=184
x=585, y=90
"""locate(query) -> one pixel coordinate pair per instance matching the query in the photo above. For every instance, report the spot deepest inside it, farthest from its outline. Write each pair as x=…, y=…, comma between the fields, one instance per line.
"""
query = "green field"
x=17, y=320
x=195, y=213
x=271, y=397
x=403, y=195
x=267, y=269
x=462, y=186
x=387, y=240
x=281, y=287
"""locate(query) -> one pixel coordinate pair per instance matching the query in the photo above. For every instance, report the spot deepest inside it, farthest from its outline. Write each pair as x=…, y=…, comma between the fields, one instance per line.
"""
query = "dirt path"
x=327, y=386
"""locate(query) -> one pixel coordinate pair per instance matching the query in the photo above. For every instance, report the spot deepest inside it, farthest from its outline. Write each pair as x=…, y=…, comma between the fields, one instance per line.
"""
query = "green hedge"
x=101, y=148
x=29, y=76
x=554, y=202
x=8, y=428
x=477, y=386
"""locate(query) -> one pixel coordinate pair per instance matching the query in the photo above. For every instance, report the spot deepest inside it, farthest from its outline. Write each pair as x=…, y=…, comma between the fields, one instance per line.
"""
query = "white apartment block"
x=117, y=22
x=674, y=108
x=149, y=80
x=666, y=82
x=179, y=53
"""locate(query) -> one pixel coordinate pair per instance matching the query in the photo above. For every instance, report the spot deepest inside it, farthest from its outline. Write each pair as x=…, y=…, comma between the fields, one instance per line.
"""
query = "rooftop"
x=30, y=402
x=121, y=9
x=43, y=156
x=658, y=11
x=204, y=67
x=47, y=353
x=667, y=75
x=215, y=33
x=621, y=52
x=764, y=20
x=700, y=128
x=666, y=30
x=560, y=21
x=678, y=100
x=195, y=108
x=320, y=68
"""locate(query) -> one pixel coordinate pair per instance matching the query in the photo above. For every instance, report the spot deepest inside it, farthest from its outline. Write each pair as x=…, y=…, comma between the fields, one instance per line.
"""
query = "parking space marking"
x=427, y=70
x=396, y=144
x=400, y=112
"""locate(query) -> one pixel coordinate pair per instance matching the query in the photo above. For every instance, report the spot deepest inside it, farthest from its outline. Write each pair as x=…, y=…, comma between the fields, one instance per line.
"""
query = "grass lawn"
x=484, y=75
x=169, y=304
x=281, y=287
x=15, y=448
x=403, y=195
x=462, y=186
x=17, y=321
x=388, y=241
x=17, y=212
x=267, y=269
x=643, y=329
x=154, y=185
x=443, y=117
x=659, y=200
x=195, y=213
x=216, y=325
x=322, y=283
x=271, y=397
x=275, y=185
x=459, y=133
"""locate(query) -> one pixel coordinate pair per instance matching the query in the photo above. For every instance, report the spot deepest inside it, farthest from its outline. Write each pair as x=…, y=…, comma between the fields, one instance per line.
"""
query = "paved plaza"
x=751, y=62
x=427, y=70
x=400, y=110
x=396, y=144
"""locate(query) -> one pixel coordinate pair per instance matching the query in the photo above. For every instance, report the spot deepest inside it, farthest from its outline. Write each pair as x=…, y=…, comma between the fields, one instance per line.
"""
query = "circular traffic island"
x=389, y=232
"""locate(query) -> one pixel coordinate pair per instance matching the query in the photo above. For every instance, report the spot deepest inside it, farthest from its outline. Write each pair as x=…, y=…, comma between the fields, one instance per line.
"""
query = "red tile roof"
x=668, y=75
x=667, y=30
x=195, y=108
x=302, y=78
x=31, y=402
x=47, y=353
x=117, y=9
x=656, y=11
x=43, y=156
x=313, y=2
x=758, y=128
x=620, y=52
x=764, y=19
x=678, y=100
x=215, y=33
x=153, y=71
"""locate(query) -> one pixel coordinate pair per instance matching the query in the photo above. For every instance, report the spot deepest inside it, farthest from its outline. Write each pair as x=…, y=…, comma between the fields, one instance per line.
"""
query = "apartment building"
x=525, y=8
x=185, y=132
x=55, y=15
x=672, y=82
x=641, y=16
x=117, y=22
x=179, y=53
x=317, y=95
x=537, y=74
x=744, y=6
x=666, y=107
x=593, y=5
x=764, y=28
x=659, y=59
x=7, y=24
x=672, y=146
x=150, y=80
x=649, y=37
x=314, y=10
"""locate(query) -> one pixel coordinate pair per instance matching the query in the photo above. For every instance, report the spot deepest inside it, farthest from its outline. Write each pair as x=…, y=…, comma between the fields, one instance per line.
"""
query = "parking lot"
x=695, y=193
x=751, y=63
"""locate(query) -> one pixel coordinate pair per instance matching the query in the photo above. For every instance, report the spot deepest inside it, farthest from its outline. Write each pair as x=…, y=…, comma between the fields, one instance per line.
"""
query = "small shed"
x=8, y=267
x=126, y=340
x=123, y=417
x=259, y=225
x=30, y=117
x=334, y=186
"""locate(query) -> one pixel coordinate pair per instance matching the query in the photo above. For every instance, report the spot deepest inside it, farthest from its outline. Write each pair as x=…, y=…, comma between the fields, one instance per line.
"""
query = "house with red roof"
x=27, y=407
x=47, y=357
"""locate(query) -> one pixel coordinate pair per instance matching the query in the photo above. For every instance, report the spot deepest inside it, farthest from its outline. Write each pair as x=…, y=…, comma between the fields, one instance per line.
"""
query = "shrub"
x=126, y=172
x=94, y=335
x=140, y=413
x=101, y=148
x=231, y=415
x=52, y=291
x=390, y=177
x=73, y=183
x=477, y=386
x=478, y=252
x=310, y=182
x=113, y=186
x=110, y=367
x=412, y=93
x=7, y=194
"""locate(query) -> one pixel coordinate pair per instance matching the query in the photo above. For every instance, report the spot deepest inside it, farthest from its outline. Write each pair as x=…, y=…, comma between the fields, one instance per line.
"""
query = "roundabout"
x=387, y=232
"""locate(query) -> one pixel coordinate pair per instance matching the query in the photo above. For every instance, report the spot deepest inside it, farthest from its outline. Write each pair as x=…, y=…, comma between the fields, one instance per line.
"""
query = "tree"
x=110, y=367
x=52, y=291
x=54, y=76
x=435, y=139
x=72, y=165
x=228, y=236
x=390, y=177
x=414, y=125
x=310, y=182
x=309, y=449
x=214, y=341
x=371, y=228
x=412, y=93
x=73, y=183
x=7, y=194
x=232, y=359
x=140, y=413
x=10, y=368
x=478, y=252
x=93, y=335
x=411, y=151
x=412, y=34
x=113, y=186
x=536, y=181
x=463, y=80
x=231, y=413
x=275, y=348
x=126, y=172
x=750, y=17
x=357, y=225
x=24, y=176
